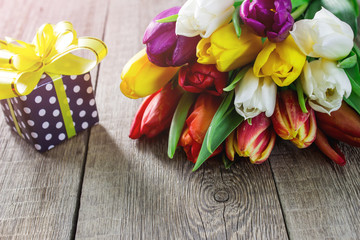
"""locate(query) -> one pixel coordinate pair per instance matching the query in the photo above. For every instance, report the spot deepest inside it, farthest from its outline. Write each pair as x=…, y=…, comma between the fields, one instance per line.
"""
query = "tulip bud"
x=271, y=19
x=255, y=141
x=282, y=61
x=290, y=123
x=198, y=78
x=203, y=17
x=141, y=78
x=163, y=47
x=156, y=112
x=197, y=125
x=325, y=84
x=343, y=124
x=226, y=50
x=324, y=36
x=254, y=95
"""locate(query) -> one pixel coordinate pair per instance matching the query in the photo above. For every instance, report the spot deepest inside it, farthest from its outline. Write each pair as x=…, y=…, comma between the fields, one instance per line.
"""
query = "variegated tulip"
x=325, y=84
x=290, y=123
x=282, y=61
x=141, y=78
x=203, y=17
x=255, y=95
x=226, y=50
x=156, y=112
x=255, y=141
x=324, y=36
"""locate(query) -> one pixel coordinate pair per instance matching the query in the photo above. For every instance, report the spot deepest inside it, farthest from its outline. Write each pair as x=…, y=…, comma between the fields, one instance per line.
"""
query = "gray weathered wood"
x=133, y=191
x=39, y=192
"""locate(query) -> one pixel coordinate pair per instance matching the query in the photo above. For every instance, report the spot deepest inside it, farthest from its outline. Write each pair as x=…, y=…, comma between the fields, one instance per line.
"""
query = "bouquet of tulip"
x=228, y=76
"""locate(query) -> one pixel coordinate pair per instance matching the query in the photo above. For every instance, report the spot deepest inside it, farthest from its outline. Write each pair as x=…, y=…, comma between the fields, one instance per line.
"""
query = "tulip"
x=198, y=78
x=290, y=123
x=163, y=47
x=226, y=50
x=323, y=36
x=156, y=112
x=197, y=125
x=271, y=19
x=141, y=78
x=255, y=141
x=283, y=62
x=332, y=151
x=325, y=84
x=203, y=17
x=343, y=124
x=255, y=95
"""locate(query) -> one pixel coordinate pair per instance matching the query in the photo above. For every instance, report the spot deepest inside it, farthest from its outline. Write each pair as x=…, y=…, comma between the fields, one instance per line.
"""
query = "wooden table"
x=102, y=185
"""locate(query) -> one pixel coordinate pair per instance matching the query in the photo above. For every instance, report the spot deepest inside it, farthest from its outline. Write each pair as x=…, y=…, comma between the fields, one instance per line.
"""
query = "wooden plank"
x=39, y=192
x=320, y=200
x=131, y=189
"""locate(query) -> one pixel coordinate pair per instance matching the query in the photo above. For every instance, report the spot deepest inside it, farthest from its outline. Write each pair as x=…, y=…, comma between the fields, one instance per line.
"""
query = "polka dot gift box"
x=45, y=90
x=40, y=118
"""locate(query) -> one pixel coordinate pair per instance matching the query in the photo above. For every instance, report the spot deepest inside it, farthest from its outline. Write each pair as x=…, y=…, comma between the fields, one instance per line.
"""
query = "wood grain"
x=39, y=192
x=132, y=190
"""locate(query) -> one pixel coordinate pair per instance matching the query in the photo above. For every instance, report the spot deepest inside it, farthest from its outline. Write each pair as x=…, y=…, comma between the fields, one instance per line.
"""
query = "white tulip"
x=324, y=36
x=203, y=17
x=325, y=84
x=255, y=95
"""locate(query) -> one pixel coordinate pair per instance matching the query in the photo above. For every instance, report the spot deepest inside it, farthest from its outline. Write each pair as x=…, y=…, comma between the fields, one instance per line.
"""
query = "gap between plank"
x=278, y=195
x=82, y=173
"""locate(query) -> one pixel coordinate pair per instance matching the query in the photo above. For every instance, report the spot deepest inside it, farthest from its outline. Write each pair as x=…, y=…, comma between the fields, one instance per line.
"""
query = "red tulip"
x=255, y=141
x=156, y=112
x=290, y=123
x=198, y=78
x=343, y=125
x=197, y=125
x=332, y=151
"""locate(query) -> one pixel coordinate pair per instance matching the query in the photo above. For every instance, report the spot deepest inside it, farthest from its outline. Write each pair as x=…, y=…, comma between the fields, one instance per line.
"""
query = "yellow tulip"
x=226, y=50
x=141, y=78
x=282, y=61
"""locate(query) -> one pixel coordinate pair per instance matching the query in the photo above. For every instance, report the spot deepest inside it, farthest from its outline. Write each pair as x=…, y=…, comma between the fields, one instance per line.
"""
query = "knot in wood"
x=221, y=196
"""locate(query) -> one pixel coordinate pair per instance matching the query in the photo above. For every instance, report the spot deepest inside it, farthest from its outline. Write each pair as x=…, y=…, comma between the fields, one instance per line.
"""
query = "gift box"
x=41, y=120
x=45, y=90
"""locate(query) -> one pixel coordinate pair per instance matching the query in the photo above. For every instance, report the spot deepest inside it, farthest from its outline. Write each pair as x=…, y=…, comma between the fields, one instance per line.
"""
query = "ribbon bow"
x=22, y=64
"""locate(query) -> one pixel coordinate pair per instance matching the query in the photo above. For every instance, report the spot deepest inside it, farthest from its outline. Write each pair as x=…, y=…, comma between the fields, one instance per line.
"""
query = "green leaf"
x=354, y=102
x=237, y=78
x=300, y=10
x=355, y=5
x=226, y=161
x=349, y=61
x=312, y=9
x=301, y=99
x=236, y=21
x=178, y=121
x=225, y=120
x=297, y=3
x=238, y=3
x=171, y=18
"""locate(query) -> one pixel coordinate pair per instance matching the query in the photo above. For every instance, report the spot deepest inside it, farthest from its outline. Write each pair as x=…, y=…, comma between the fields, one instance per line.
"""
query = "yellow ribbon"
x=22, y=64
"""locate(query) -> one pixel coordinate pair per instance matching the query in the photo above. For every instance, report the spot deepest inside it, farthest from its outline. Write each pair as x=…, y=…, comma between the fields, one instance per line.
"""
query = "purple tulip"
x=271, y=19
x=163, y=47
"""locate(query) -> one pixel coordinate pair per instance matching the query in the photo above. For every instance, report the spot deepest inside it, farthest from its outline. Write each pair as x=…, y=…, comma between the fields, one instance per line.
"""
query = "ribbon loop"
x=22, y=64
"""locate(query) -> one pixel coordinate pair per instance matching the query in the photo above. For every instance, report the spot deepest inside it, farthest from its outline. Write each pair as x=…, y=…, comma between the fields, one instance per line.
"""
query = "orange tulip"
x=197, y=125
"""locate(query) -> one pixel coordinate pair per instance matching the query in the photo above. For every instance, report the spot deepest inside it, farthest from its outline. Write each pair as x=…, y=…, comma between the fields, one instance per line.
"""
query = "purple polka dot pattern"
x=39, y=116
